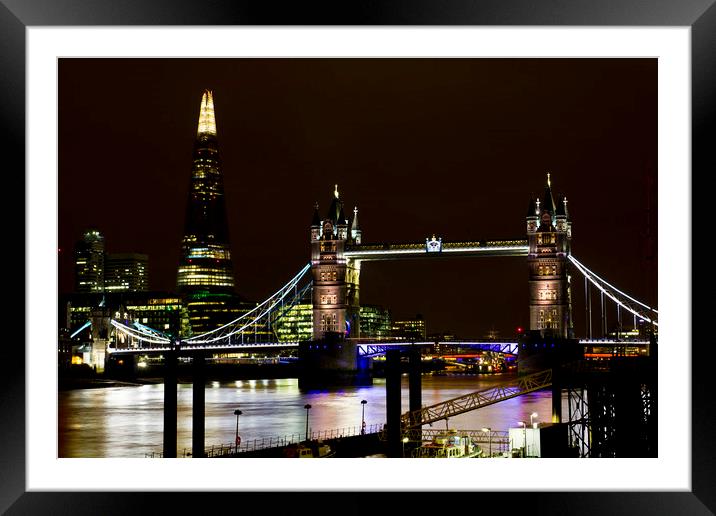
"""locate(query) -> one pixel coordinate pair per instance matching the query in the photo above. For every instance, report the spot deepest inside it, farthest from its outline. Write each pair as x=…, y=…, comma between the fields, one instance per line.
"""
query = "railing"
x=496, y=437
x=265, y=443
x=372, y=349
x=420, y=246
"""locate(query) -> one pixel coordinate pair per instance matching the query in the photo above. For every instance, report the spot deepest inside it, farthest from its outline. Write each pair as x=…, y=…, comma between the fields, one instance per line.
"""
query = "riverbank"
x=69, y=383
x=87, y=379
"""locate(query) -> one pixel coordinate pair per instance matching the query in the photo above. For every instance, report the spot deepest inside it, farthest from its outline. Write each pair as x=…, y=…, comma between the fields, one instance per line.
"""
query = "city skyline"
x=388, y=132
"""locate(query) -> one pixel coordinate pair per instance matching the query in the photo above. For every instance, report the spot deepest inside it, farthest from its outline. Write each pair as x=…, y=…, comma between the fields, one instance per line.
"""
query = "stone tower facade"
x=335, y=280
x=549, y=235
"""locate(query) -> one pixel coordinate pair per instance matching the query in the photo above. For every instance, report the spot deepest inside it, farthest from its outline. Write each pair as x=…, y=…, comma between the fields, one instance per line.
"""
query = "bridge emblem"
x=434, y=245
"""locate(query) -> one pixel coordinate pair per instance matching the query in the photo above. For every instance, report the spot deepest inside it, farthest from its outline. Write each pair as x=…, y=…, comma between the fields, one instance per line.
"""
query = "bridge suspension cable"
x=85, y=325
x=229, y=328
x=265, y=309
x=264, y=314
x=260, y=317
x=609, y=290
x=140, y=335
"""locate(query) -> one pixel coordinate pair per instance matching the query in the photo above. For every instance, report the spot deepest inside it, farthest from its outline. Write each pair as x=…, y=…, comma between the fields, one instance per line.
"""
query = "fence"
x=223, y=450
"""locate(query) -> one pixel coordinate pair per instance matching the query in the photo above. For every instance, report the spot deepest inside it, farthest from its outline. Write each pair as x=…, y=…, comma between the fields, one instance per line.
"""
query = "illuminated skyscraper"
x=206, y=260
x=410, y=329
x=89, y=262
x=375, y=321
x=206, y=273
x=126, y=272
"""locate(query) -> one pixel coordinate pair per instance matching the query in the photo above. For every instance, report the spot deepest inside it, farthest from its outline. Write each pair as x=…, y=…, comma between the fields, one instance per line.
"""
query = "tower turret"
x=561, y=215
x=550, y=307
x=548, y=205
x=356, y=233
x=336, y=308
x=532, y=215
x=334, y=211
x=342, y=225
x=315, y=224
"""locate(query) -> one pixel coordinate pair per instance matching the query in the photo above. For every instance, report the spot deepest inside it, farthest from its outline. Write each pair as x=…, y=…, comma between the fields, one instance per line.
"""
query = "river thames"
x=128, y=421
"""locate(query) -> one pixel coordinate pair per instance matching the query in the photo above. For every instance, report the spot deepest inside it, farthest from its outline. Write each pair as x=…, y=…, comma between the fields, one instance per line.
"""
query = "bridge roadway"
x=366, y=252
x=366, y=347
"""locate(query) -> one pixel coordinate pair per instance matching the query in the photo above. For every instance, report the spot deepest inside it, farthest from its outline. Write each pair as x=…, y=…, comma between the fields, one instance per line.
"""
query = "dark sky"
x=453, y=147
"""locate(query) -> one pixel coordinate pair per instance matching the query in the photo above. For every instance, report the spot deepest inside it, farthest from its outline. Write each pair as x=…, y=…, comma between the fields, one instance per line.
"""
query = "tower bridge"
x=332, y=280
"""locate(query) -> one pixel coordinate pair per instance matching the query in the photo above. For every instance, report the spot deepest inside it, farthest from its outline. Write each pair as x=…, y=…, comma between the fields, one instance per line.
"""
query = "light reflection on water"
x=128, y=421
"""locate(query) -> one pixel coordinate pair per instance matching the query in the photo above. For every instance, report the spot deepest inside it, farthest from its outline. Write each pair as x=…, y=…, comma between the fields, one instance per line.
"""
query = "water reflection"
x=128, y=421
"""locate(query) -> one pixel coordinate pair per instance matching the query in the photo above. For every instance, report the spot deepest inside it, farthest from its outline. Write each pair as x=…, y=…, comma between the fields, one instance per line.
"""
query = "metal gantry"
x=476, y=400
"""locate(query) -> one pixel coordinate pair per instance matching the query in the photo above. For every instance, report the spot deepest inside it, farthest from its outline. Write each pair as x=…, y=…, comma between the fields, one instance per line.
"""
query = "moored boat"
x=309, y=450
x=448, y=445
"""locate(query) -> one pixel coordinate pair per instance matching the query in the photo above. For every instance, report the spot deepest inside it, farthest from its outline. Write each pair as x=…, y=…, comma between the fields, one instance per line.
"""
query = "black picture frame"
x=17, y=15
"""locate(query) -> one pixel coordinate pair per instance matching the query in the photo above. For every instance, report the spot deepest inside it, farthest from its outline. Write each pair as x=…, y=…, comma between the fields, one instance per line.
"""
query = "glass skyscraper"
x=126, y=272
x=206, y=274
x=89, y=262
x=206, y=258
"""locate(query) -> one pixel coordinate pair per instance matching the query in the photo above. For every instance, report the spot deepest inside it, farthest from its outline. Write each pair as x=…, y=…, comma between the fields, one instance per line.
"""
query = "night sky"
x=452, y=147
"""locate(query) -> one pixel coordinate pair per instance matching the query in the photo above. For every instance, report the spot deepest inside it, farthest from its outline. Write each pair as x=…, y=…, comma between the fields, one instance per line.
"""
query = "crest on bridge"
x=434, y=245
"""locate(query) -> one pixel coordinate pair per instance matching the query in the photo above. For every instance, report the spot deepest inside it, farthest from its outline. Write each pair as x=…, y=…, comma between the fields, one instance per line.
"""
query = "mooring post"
x=198, y=409
x=416, y=389
x=392, y=402
x=556, y=392
x=170, y=404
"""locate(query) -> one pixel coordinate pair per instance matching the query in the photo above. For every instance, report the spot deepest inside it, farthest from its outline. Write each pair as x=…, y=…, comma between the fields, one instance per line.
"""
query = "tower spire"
x=207, y=119
x=335, y=192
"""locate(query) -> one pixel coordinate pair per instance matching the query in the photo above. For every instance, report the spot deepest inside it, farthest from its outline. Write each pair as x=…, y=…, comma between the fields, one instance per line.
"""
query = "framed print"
x=435, y=126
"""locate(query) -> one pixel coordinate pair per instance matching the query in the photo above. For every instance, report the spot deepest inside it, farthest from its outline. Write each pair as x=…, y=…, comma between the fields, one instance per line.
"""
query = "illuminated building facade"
x=126, y=272
x=413, y=329
x=209, y=309
x=336, y=307
x=89, y=262
x=549, y=235
x=375, y=322
x=206, y=275
x=296, y=325
x=161, y=311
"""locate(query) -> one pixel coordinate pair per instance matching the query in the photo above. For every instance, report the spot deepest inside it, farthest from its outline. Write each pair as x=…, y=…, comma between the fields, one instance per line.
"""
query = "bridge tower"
x=101, y=333
x=549, y=234
x=335, y=282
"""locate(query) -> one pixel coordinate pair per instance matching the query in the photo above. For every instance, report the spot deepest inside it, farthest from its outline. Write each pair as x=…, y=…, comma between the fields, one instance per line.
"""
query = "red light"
x=520, y=329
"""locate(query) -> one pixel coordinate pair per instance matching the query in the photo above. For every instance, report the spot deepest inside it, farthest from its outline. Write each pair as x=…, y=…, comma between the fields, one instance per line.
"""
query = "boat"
x=309, y=450
x=448, y=445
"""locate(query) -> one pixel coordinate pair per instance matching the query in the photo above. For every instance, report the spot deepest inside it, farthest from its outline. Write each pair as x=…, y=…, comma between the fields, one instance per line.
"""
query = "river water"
x=128, y=421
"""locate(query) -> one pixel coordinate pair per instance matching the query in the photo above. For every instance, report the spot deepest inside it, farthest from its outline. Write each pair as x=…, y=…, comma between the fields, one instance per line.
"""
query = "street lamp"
x=405, y=440
x=489, y=437
x=237, y=413
x=307, y=406
x=524, y=442
x=362, y=424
